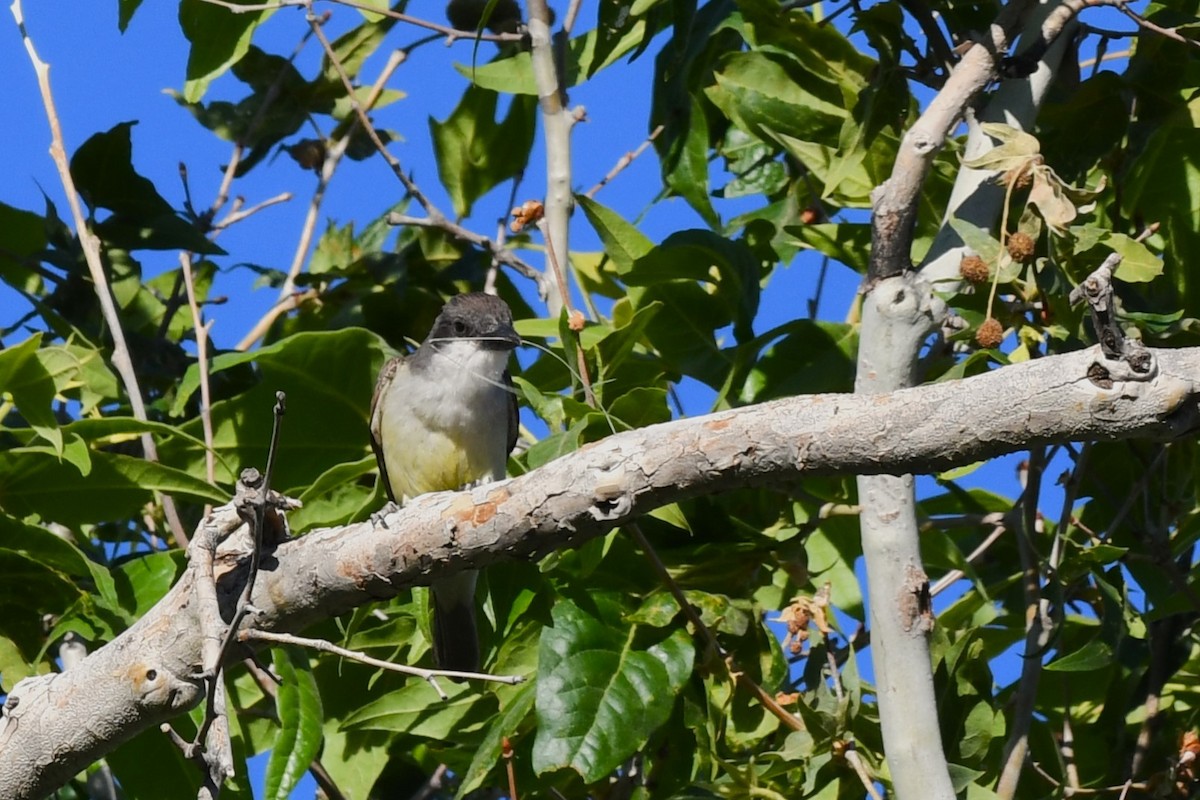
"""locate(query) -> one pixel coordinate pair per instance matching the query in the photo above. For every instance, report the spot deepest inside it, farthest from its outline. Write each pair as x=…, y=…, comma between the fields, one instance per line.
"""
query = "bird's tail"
x=455, y=637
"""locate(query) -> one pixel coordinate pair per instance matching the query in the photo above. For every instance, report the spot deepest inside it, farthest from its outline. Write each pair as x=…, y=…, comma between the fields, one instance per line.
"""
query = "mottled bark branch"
x=58, y=724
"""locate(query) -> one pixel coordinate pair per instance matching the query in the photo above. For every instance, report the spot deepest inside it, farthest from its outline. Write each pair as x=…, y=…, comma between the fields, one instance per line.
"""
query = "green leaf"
x=13, y=665
x=729, y=266
x=983, y=725
x=24, y=377
x=219, y=38
x=488, y=755
x=474, y=152
x=328, y=378
x=584, y=58
x=29, y=591
x=769, y=94
x=22, y=237
x=1092, y=656
x=418, y=710
x=1138, y=263
x=598, y=698
x=149, y=578
x=50, y=550
x=831, y=558
x=847, y=242
x=125, y=12
x=33, y=482
x=685, y=166
x=623, y=242
x=811, y=358
x=298, y=704
x=104, y=174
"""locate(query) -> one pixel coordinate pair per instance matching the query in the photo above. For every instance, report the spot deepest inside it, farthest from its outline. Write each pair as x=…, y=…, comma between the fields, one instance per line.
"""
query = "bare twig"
x=239, y=146
x=860, y=769
x=333, y=156
x=1081, y=791
x=212, y=753
x=202, y=328
x=571, y=16
x=337, y=149
x=445, y=30
x=90, y=243
x=1067, y=748
x=324, y=646
x=280, y=308
x=1170, y=33
x=624, y=161
x=434, y=217
x=997, y=521
x=575, y=324
x=489, y=281
x=254, y=495
x=236, y=215
x=1036, y=634
x=497, y=250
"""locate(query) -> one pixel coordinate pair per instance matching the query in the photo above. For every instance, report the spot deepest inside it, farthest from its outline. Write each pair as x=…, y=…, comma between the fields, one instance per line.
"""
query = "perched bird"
x=445, y=418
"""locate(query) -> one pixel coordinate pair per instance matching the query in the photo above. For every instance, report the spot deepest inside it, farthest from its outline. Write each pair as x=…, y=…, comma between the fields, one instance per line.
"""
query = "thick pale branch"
x=61, y=723
x=895, y=200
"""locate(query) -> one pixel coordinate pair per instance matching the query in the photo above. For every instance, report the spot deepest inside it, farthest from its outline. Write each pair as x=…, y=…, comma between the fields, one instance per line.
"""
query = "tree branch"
x=147, y=675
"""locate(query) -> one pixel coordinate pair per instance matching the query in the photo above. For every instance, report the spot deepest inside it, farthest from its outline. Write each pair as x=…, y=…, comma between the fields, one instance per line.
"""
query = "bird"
x=445, y=418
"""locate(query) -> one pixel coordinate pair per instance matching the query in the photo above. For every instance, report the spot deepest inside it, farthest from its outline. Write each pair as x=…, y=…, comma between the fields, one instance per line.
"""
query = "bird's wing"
x=514, y=420
x=386, y=375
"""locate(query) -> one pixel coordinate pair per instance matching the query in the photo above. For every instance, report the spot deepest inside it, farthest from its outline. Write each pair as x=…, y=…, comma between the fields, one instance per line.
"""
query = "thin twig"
x=329, y=647
x=1017, y=747
x=446, y=30
x=281, y=307
x=337, y=149
x=565, y=295
x=333, y=156
x=498, y=252
x=254, y=489
x=238, y=214
x=571, y=16
x=624, y=161
x=90, y=243
x=947, y=580
x=434, y=217
x=1067, y=749
x=855, y=760
x=1169, y=33
x=361, y=113
x=1085, y=792
x=239, y=146
x=202, y=328
x=507, y=751
x=489, y=281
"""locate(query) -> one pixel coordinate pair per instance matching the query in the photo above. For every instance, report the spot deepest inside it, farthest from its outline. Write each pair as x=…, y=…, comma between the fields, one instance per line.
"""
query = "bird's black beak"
x=501, y=337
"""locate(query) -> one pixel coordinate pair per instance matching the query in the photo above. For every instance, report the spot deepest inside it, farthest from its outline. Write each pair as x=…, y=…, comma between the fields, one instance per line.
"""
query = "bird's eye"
x=460, y=327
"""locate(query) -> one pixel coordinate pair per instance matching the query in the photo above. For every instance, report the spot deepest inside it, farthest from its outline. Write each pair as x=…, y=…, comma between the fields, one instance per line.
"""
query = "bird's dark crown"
x=483, y=317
